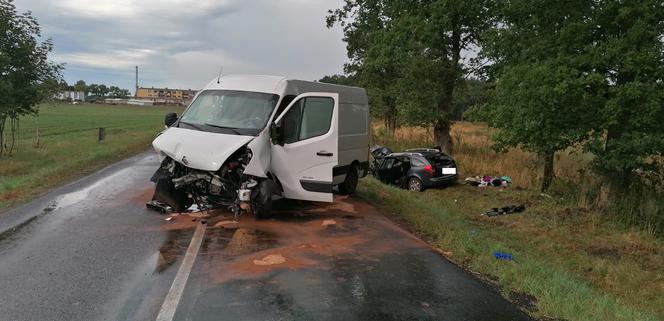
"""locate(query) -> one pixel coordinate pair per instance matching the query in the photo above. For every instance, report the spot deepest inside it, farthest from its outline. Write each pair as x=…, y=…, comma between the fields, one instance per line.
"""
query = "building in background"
x=70, y=95
x=165, y=95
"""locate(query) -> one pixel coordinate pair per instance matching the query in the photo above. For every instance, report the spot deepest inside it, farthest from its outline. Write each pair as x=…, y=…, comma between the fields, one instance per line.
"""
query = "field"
x=569, y=262
x=68, y=146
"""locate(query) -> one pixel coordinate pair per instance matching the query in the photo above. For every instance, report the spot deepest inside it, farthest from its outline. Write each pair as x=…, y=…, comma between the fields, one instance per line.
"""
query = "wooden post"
x=102, y=135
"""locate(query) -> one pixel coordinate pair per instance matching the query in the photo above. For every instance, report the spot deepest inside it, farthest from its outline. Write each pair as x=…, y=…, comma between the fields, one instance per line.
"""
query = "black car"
x=417, y=169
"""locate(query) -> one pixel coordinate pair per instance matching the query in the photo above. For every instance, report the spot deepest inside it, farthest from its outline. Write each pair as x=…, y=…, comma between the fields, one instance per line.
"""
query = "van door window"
x=284, y=103
x=308, y=118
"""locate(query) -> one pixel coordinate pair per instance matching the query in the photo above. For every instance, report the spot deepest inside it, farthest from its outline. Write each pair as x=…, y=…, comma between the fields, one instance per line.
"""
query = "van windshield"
x=229, y=112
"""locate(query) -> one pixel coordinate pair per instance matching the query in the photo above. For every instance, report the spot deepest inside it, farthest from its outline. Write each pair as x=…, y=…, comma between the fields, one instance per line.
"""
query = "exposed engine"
x=180, y=186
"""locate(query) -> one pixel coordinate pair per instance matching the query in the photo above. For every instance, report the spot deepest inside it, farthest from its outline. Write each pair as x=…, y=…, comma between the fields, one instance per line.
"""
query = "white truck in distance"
x=246, y=140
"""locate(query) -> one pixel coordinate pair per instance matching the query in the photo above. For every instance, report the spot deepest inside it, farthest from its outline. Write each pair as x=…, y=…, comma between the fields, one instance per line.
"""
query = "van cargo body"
x=246, y=140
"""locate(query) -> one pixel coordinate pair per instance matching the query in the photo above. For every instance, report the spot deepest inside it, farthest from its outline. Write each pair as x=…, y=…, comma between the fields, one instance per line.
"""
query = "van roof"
x=280, y=85
x=257, y=83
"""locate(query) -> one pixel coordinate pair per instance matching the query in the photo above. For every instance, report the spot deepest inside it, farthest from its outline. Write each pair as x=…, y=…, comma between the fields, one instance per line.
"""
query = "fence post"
x=102, y=135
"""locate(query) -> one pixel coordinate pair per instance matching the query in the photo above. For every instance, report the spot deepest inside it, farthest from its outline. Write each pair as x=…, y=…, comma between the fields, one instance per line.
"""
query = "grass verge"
x=577, y=265
x=68, y=146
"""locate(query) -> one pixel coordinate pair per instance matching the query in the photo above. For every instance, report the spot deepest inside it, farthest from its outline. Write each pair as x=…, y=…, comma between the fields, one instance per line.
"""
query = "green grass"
x=578, y=265
x=68, y=145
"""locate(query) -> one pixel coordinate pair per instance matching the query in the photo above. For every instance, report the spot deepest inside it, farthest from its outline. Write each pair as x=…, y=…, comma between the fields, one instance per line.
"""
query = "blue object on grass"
x=503, y=256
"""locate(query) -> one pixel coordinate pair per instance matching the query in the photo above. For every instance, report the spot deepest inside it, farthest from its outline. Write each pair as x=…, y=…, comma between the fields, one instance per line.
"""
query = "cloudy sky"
x=183, y=43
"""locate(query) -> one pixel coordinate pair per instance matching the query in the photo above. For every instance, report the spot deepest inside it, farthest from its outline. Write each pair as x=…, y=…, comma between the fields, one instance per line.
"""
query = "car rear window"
x=416, y=161
x=439, y=160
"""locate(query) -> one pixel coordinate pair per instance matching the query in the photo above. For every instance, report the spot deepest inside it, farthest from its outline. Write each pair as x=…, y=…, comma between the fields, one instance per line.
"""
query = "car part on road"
x=158, y=206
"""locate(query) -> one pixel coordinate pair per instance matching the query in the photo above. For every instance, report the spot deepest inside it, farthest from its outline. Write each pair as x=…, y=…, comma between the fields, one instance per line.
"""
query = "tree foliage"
x=408, y=55
x=628, y=52
x=24, y=68
x=583, y=72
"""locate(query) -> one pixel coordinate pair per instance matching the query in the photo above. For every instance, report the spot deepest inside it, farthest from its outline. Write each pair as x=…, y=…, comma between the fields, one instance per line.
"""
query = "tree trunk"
x=547, y=177
x=2, y=135
x=442, y=137
x=12, y=121
x=441, y=128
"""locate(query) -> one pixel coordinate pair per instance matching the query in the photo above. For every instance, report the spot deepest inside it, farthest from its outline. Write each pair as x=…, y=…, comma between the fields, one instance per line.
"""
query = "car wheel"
x=349, y=184
x=415, y=184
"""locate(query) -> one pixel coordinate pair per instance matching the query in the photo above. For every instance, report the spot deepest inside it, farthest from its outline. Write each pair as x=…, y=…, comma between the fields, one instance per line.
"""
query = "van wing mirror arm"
x=276, y=134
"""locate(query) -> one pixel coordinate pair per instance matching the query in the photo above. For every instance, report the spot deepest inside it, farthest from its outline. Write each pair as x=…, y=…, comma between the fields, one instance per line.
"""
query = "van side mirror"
x=170, y=119
x=276, y=134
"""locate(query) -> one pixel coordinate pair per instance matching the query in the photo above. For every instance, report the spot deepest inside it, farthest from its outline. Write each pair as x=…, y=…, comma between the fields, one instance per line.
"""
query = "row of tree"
x=586, y=73
x=95, y=89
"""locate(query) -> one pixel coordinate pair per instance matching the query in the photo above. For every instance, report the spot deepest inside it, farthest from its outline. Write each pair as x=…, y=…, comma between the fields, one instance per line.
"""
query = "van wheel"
x=262, y=204
x=415, y=184
x=349, y=185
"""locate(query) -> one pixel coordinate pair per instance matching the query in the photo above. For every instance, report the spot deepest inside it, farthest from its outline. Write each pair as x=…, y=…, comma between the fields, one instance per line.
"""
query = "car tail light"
x=428, y=169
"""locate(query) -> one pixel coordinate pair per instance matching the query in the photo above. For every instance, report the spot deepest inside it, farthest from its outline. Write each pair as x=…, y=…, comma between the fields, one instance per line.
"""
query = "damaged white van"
x=246, y=140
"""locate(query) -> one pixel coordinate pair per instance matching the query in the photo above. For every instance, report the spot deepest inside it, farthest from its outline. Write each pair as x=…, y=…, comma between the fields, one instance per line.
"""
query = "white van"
x=246, y=140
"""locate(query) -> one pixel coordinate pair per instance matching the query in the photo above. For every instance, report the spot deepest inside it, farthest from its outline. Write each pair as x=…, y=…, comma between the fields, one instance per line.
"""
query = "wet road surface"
x=92, y=251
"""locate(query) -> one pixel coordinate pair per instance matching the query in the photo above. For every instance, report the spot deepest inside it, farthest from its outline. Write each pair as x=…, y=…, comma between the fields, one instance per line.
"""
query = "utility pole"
x=136, y=92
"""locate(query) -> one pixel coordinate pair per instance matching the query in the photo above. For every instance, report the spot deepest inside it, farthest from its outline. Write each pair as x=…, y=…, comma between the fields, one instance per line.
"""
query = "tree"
x=411, y=51
x=374, y=63
x=93, y=89
x=80, y=86
x=24, y=68
x=103, y=90
x=629, y=54
x=339, y=80
x=547, y=94
x=114, y=91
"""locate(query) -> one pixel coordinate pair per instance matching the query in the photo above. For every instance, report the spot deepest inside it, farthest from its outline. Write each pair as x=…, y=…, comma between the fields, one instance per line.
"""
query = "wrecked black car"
x=377, y=153
x=417, y=169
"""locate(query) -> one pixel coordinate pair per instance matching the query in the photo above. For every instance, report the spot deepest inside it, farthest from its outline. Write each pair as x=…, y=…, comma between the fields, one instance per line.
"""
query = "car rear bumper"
x=441, y=180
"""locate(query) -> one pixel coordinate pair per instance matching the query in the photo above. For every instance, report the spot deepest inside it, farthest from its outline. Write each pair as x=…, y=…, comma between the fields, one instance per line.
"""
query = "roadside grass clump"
x=578, y=265
x=68, y=146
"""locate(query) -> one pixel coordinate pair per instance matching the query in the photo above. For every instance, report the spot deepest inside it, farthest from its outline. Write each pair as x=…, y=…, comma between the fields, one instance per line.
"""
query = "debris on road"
x=329, y=223
x=505, y=210
x=503, y=256
x=158, y=206
x=271, y=259
x=225, y=223
x=169, y=218
x=484, y=181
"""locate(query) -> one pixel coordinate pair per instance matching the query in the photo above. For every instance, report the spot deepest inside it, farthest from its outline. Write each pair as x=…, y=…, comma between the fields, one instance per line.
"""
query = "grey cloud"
x=183, y=42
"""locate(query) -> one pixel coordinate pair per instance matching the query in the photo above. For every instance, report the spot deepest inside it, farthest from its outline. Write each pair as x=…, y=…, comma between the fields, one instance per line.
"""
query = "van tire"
x=349, y=185
x=262, y=204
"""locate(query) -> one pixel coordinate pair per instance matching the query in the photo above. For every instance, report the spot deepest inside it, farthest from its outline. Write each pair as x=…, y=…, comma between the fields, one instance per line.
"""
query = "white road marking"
x=167, y=312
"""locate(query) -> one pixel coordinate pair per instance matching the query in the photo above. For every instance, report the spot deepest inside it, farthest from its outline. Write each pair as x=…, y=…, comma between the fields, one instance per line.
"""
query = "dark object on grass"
x=503, y=256
x=505, y=210
x=417, y=169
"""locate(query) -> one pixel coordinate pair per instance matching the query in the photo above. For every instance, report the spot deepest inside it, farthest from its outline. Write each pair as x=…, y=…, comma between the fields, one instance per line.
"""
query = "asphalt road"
x=92, y=251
